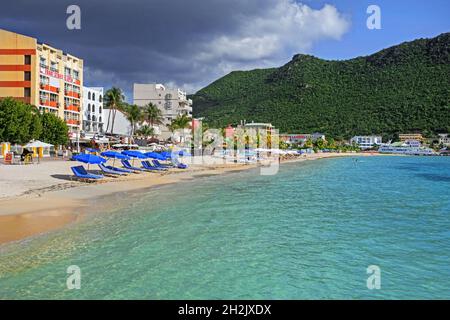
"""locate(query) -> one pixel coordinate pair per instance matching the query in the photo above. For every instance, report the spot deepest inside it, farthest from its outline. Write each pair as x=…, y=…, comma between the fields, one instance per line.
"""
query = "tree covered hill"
x=400, y=89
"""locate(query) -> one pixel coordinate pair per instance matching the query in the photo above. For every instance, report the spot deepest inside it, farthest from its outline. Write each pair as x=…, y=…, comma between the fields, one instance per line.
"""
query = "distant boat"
x=406, y=148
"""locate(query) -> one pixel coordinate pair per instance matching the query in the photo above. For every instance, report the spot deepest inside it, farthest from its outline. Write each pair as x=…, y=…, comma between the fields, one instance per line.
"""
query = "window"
x=43, y=62
x=100, y=119
x=100, y=109
x=75, y=74
x=27, y=60
x=27, y=76
x=44, y=80
x=54, y=66
x=27, y=92
x=93, y=96
x=100, y=98
x=93, y=108
x=67, y=71
x=89, y=96
x=89, y=107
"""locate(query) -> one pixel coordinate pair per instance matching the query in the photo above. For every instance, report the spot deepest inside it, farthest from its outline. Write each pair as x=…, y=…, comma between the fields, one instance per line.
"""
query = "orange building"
x=43, y=76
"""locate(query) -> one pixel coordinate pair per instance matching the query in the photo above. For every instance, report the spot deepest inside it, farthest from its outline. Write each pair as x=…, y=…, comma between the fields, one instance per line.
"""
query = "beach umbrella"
x=38, y=144
x=89, y=159
x=134, y=154
x=115, y=155
x=92, y=150
x=166, y=154
x=155, y=155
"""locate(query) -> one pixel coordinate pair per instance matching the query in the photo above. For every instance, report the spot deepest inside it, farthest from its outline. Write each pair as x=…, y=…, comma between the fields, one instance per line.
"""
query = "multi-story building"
x=410, y=136
x=367, y=142
x=93, y=113
x=171, y=102
x=301, y=138
x=43, y=76
x=444, y=139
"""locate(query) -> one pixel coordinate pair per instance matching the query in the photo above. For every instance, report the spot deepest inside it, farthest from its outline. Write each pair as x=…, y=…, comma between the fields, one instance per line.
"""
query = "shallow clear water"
x=309, y=232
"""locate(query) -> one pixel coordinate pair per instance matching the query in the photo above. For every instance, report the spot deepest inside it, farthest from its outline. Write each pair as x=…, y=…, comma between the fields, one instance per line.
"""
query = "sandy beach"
x=35, y=199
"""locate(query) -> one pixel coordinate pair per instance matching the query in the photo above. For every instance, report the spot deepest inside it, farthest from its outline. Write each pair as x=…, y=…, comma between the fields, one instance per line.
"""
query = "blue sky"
x=402, y=20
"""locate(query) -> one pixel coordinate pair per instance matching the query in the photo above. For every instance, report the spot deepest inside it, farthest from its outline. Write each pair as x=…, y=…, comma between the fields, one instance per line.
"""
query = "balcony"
x=73, y=122
x=47, y=87
x=72, y=94
x=72, y=108
x=48, y=103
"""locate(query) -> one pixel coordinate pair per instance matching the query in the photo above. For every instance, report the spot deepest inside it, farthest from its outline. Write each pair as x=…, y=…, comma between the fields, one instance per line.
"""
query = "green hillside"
x=400, y=89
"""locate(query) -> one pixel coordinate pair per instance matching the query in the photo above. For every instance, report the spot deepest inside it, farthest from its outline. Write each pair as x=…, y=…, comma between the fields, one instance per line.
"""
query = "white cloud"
x=272, y=37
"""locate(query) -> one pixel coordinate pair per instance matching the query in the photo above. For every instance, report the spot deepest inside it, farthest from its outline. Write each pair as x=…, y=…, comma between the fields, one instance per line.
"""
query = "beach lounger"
x=107, y=170
x=81, y=173
x=128, y=166
x=148, y=166
x=162, y=165
x=119, y=169
x=178, y=164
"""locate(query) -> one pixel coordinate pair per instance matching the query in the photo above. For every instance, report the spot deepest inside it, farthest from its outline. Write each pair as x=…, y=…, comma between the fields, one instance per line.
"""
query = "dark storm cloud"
x=181, y=42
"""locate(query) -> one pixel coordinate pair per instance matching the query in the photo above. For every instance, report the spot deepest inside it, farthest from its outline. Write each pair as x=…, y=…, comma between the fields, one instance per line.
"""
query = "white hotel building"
x=93, y=113
x=367, y=142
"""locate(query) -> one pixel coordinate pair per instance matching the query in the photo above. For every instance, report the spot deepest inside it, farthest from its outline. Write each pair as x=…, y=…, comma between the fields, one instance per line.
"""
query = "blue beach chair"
x=109, y=171
x=178, y=164
x=148, y=166
x=128, y=165
x=119, y=169
x=81, y=173
x=162, y=165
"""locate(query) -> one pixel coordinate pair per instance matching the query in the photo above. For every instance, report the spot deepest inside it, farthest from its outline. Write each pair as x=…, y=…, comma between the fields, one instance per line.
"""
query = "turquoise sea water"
x=311, y=231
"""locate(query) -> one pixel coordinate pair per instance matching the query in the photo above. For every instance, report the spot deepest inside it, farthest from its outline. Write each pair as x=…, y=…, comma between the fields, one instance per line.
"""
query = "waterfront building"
x=301, y=138
x=295, y=138
x=410, y=136
x=42, y=75
x=444, y=139
x=318, y=136
x=93, y=113
x=172, y=103
x=367, y=142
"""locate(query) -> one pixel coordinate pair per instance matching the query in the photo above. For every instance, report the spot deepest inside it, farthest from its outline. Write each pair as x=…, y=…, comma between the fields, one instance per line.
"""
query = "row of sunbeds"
x=147, y=166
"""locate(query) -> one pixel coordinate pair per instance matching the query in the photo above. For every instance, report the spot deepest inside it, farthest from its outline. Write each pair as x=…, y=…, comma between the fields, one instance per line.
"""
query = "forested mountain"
x=400, y=89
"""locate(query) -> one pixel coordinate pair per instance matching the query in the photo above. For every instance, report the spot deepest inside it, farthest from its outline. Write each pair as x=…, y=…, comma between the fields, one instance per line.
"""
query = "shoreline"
x=41, y=210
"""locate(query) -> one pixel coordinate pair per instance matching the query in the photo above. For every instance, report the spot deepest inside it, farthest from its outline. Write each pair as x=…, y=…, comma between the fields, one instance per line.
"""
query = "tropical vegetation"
x=114, y=100
x=20, y=123
x=180, y=122
x=405, y=88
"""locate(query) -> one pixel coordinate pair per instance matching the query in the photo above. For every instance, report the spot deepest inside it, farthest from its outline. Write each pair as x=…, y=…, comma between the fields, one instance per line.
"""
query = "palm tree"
x=153, y=114
x=180, y=122
x=145, y=131
x=113, y=100
x=134, y=115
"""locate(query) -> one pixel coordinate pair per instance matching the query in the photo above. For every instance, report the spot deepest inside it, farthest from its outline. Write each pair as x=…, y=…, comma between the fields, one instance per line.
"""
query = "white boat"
x=406, y=148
